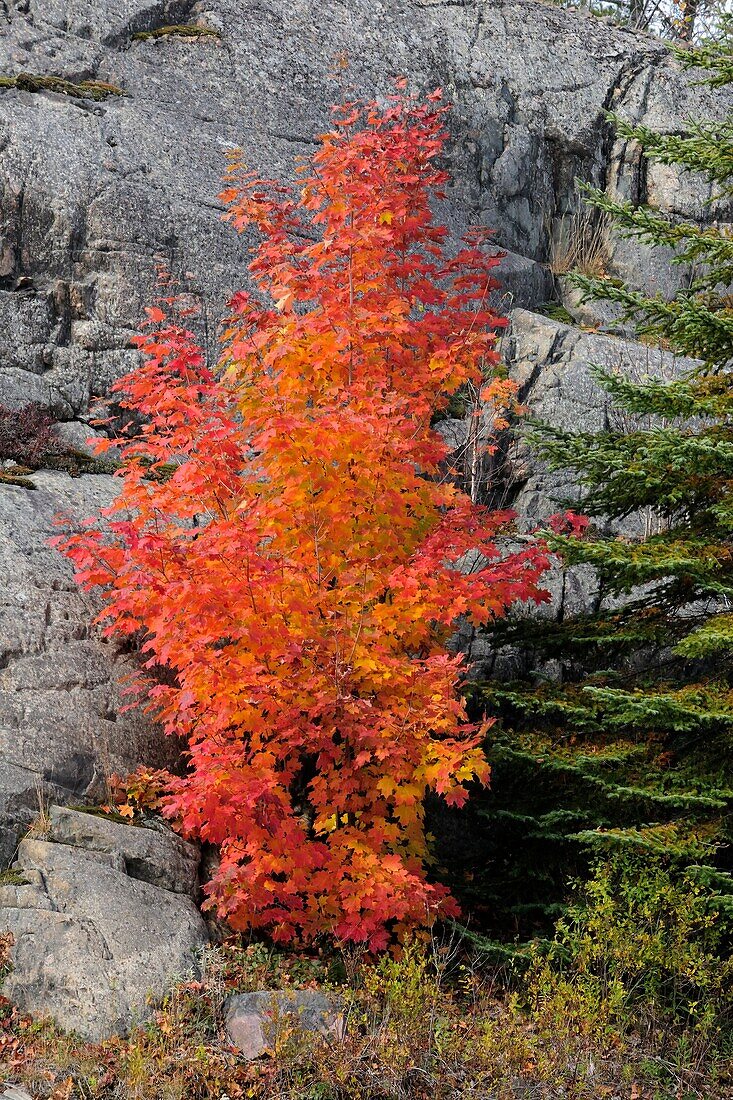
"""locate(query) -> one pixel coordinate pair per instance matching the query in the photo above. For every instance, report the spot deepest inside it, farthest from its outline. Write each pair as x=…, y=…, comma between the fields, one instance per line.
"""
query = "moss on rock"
x=183, y=30
x=85, y=89
x=13, y=477
x=12, y=877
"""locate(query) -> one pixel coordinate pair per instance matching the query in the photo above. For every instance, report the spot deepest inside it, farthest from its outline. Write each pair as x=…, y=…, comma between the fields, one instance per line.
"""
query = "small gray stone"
x=14, y=1092
x=80, y=438
x=253, y=1020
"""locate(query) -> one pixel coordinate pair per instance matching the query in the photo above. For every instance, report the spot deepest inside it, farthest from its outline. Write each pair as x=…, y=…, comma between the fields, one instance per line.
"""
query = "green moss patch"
x=85, y=89
x=13, y=878
x=12, y=476
x=184, y=30
x=76, y=463
x=103, y=812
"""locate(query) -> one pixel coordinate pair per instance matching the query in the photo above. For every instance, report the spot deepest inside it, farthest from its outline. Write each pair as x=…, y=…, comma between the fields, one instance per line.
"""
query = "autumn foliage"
x=297, y=570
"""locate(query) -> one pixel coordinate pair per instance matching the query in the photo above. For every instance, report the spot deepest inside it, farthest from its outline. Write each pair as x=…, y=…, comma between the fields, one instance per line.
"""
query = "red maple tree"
x=286, y=547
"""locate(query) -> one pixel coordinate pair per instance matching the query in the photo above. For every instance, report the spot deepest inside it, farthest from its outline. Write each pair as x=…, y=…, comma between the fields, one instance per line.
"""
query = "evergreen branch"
x=700, y=330
x=707, y=149
x=716, y=58
x=691, y=396
x=692, y=242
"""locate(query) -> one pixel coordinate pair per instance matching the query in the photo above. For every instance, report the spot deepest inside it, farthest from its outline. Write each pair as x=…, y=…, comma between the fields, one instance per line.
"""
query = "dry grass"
x=580, y=244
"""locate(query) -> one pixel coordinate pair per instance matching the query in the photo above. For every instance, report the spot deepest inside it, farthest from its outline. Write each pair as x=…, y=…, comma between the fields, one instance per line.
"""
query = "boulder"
x=63, y=726
x=255, y=1021
x=93, y=944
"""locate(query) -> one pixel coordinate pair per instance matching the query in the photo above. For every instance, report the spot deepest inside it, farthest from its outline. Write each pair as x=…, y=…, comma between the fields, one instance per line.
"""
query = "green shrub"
x=27, y=435
x=641, y=949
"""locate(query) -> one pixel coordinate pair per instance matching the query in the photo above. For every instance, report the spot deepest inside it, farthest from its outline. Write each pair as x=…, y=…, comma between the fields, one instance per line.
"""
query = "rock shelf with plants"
x=85, y=89
x=179, y=30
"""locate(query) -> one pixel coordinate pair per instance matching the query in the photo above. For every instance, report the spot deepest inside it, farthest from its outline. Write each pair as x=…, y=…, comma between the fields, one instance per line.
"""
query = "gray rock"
x=523, y=281
x=93, y=947
x=156, y=856
x=254, y=1020
x=14, y=1092
x=79, y=437
x=63, y=729
x=132, y=181
x=551, y=362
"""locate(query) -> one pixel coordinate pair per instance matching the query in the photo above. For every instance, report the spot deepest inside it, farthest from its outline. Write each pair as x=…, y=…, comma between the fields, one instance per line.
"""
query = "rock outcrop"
x=102, y=921
x=552, y=364
x=63, y=726
x=98, y=188
x=155, y=855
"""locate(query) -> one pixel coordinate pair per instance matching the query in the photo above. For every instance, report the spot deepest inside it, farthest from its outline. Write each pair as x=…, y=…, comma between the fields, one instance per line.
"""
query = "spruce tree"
x=628, y=743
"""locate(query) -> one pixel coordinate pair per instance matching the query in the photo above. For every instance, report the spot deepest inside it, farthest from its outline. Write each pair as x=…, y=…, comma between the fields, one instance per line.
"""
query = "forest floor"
x=433, y=1024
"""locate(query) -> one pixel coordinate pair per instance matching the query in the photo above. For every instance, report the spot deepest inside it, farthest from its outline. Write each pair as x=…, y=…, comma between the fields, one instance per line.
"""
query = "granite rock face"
x=94, y=943
x=94, y=195
x=62, y=726
x=552, y=364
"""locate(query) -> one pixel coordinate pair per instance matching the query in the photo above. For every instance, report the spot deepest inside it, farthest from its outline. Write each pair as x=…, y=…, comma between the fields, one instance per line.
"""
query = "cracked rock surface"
x=152, y=854
x=62, y=726
x=95, y=194
x=552, y=364
x=94, y=937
